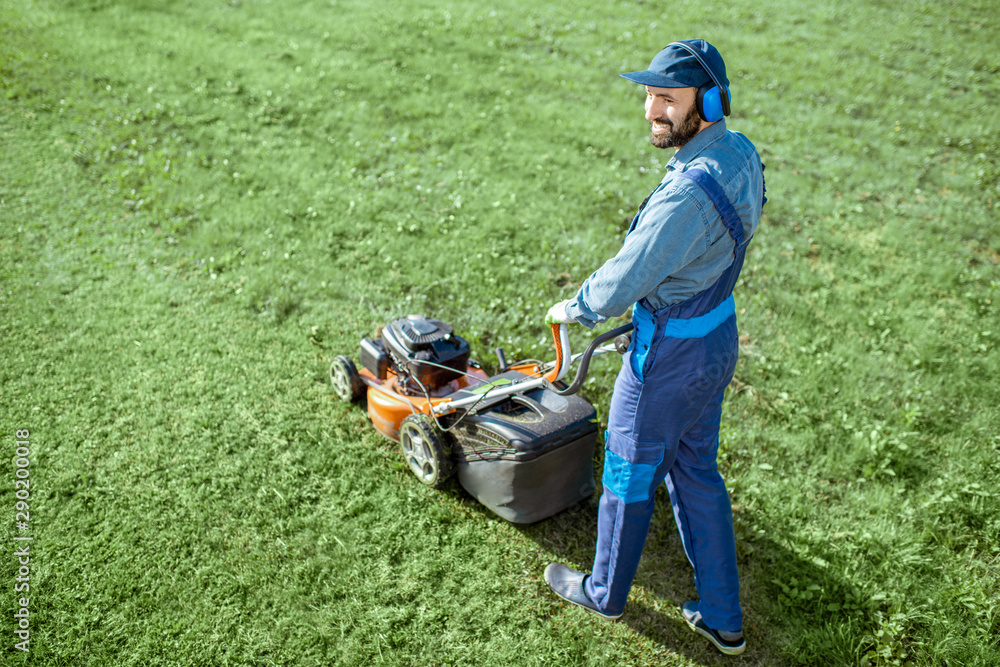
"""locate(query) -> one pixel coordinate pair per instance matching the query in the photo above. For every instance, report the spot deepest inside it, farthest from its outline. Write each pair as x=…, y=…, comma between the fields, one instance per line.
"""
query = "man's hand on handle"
x=557, y=314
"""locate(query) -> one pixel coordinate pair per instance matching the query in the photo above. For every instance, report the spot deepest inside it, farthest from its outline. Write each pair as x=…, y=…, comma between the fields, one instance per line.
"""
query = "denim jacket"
x=677, y=245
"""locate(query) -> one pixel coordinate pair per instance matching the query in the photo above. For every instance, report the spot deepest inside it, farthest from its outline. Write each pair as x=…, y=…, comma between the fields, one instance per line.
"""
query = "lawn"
x=201, y=203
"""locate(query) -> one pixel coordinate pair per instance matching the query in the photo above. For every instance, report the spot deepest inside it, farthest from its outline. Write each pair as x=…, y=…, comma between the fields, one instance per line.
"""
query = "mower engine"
x=424, y=353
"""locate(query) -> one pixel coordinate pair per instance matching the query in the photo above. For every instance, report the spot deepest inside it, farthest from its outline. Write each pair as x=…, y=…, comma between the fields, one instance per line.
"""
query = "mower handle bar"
x=558, y=371
x=581, y=372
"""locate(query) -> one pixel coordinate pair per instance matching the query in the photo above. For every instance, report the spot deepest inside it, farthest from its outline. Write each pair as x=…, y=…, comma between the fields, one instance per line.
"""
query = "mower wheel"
x=425, y=450
x=345, y=378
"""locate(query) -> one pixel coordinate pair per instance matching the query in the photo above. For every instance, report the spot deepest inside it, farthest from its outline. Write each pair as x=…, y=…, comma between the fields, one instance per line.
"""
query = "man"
x=678, y=264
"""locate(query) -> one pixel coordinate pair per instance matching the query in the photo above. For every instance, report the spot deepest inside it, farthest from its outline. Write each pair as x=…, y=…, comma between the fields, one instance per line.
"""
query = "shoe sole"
x=583, y=606
x=728, y=650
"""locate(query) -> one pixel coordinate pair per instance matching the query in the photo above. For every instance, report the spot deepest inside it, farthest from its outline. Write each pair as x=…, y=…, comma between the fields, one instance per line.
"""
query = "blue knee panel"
x=631, y=482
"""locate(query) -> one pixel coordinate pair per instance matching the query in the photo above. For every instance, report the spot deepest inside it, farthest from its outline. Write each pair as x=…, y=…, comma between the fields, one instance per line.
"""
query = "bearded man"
x=677, y=267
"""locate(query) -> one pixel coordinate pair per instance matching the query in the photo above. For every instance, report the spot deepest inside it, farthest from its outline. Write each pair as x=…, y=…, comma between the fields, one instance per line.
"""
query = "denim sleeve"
x=672, y=231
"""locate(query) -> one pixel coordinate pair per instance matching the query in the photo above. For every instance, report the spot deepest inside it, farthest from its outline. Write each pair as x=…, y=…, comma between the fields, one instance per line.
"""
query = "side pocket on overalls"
x=642, y=340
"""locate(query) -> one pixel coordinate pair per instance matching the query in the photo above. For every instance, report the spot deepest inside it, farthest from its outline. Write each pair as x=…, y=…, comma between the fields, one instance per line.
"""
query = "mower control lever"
x=581, y=373
x=502, y=359
x=622, y=342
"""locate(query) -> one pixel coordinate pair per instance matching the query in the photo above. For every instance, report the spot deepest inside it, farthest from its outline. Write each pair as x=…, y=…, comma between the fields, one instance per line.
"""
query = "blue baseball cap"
x=675, y=67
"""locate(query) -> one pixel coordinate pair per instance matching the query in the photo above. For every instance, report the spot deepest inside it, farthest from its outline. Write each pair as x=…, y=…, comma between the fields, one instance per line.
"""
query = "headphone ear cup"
x=710, y=104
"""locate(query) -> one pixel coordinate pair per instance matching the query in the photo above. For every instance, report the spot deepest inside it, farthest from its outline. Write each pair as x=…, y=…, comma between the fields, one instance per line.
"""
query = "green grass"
x=202, y=202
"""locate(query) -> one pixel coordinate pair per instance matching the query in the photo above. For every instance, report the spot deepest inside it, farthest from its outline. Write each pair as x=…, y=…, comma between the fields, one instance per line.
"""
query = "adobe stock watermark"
x=22, y=540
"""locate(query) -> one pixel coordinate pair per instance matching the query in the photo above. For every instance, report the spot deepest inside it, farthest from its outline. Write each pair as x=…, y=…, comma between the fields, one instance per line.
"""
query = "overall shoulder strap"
x=719, y=199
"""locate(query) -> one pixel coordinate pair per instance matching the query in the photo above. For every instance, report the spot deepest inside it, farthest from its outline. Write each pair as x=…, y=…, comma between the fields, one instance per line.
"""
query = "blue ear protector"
x=713, y=100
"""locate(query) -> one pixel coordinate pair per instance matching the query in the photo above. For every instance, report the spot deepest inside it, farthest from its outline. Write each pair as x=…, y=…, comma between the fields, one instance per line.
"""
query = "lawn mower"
x=521, y=442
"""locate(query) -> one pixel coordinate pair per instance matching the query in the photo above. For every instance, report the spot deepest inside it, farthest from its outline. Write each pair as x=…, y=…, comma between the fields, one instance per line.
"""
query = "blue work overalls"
x=664, y=424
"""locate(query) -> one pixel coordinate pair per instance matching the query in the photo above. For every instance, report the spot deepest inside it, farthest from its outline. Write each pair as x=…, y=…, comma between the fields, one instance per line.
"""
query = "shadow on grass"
x=665, y=581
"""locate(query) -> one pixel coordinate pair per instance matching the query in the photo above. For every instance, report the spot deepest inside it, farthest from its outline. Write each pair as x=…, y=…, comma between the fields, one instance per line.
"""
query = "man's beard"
x=677, y=136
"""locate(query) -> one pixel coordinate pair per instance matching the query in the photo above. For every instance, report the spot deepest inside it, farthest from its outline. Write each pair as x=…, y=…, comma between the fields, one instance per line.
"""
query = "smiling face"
x=673, y=116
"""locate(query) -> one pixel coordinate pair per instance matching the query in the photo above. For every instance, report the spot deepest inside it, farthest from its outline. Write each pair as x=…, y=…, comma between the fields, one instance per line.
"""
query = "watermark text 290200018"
x=22, y=540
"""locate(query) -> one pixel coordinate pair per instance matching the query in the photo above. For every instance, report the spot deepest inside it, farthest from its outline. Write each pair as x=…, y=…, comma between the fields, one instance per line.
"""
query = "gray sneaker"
x=730, y=643
x=567, y=583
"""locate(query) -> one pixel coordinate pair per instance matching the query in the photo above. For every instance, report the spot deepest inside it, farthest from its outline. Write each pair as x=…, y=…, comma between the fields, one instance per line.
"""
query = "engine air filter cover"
x=415, y=340
x=415, y=332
